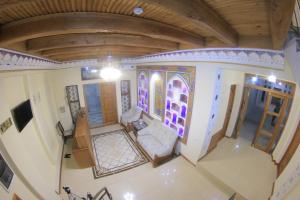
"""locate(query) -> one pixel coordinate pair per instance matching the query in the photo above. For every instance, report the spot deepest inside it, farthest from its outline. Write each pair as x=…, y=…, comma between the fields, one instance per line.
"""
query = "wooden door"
x=271, y=122
x=243, y=111
x=109, y=102
x=221, y=134
x=290, y=151
x=229, y=108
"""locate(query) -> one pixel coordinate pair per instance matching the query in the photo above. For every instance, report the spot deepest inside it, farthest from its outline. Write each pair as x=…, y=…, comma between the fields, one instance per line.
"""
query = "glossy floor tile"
x=175, y=180
x=245, y=169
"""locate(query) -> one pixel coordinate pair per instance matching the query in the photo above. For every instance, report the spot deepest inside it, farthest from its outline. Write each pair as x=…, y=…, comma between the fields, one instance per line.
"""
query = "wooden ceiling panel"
x=65, y=23
x=31, y=8
x=93, y=55
x=105, y=49
x=97, y=39
x=71, y=27
x=243, y=15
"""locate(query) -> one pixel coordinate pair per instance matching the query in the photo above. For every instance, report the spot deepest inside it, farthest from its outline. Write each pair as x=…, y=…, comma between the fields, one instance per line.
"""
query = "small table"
x=138, y=125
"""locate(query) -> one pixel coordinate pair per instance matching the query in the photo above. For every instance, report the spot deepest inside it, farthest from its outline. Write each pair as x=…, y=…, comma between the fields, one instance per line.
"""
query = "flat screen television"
x=22, y=114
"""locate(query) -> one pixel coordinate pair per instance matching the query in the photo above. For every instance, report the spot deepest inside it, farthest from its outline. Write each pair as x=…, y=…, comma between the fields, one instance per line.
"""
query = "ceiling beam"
x=5, y=4
x=280, y=21
x=105, y=49
x=65, y=23
x=97, y=39
x=90, y=55
x=201, y=14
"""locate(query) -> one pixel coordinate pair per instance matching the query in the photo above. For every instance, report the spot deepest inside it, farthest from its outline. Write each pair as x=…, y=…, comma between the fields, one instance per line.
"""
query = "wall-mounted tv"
x=22, y=114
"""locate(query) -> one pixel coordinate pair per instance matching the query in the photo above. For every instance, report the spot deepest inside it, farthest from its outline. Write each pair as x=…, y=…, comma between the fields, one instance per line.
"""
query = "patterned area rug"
x=115, y=152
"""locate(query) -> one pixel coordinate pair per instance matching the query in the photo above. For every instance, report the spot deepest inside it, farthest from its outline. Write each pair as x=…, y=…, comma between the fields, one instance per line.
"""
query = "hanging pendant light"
x=109, y=72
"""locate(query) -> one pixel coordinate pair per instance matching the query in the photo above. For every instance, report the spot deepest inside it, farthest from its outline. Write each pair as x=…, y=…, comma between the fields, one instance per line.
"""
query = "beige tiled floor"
x=175, y=180
x=245, y=169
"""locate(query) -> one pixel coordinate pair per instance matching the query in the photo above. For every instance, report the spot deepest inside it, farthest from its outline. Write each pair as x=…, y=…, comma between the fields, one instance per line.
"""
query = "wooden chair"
x=63, y=133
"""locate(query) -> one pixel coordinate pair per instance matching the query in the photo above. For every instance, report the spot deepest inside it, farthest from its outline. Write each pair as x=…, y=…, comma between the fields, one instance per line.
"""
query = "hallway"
x=240, y=167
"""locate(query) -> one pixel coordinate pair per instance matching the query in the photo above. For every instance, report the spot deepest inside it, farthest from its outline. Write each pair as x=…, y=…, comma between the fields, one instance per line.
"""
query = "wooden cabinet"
x=82, y=145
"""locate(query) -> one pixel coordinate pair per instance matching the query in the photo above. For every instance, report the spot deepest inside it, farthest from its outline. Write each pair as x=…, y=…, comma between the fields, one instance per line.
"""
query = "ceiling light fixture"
x=272, y=78
x=109, y=72
x=254, y=79
x=138, y=10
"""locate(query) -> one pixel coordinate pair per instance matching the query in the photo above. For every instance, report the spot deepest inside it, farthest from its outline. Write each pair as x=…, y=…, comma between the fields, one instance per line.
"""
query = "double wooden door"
x=101, y=103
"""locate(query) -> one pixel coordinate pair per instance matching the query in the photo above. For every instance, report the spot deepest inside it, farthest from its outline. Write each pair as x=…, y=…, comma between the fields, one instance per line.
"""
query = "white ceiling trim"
x=257, y=57
x=13, y=60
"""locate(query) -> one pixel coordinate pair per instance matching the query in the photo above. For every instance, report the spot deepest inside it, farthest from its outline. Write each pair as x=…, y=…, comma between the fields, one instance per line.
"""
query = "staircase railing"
x=295, y=26
x=103, y=194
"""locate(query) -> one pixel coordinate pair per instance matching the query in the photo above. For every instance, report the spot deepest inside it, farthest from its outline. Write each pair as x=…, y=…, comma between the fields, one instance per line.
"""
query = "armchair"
x=130, y=116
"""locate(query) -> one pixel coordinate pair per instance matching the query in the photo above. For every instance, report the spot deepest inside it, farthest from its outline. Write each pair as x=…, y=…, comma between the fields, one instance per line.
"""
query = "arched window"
x=177, y=96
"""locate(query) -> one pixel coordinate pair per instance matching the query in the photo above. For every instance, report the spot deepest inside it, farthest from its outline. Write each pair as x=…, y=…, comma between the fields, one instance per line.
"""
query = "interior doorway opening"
x=264, y=111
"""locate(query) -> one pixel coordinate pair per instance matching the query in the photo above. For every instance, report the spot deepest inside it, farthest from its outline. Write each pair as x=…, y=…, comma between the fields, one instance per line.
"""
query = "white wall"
x=64, y=77
x=203, y=98
x=229, y=77
x=29, y=150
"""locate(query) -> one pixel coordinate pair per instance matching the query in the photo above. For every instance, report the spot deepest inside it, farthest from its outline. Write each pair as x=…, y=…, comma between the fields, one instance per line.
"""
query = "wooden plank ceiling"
x=81, y=29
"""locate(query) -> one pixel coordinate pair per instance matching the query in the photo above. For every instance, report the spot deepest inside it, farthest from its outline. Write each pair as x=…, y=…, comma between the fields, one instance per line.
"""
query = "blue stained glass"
x=174, y=119
x=183, y=111
x=168, y=105
x=167, y=122
x=180, y=132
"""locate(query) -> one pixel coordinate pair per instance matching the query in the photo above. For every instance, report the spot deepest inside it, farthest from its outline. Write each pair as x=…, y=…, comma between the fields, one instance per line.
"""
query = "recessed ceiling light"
x=138, y=10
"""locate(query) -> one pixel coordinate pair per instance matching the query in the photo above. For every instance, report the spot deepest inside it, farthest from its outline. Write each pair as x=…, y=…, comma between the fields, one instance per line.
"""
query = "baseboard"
x=188, y=160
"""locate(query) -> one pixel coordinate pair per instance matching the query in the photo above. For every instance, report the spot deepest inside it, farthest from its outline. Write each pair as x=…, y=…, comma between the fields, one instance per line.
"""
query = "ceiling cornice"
x=12, y=60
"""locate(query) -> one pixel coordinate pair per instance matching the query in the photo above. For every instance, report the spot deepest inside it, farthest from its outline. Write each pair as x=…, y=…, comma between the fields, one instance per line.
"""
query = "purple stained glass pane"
x=183, y=111
x=174, y=119
x=167, y=122
x=180, y=132
x=168, y=105
x=177, y=84
x=170, y=86
x=146, y=94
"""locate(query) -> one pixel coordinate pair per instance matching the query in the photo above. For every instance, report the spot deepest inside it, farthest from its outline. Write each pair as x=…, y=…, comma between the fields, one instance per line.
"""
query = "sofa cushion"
x=153, y=146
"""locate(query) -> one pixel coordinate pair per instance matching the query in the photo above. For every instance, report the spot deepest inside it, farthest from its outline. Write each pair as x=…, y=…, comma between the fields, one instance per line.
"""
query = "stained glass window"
x=177, y=95
x=143, y=91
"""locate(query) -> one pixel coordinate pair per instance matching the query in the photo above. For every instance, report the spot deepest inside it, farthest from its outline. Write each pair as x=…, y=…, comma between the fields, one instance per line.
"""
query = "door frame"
x=221, y=133
x=289, y=153
x=244, y=105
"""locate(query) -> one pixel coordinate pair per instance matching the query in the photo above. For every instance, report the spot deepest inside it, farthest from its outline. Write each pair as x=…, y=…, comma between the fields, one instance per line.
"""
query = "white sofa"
x=158, y=141
x=130, y=116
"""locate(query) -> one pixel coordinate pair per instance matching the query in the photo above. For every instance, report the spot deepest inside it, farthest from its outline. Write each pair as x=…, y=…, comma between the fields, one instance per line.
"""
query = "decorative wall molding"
x=12, y=60
x=257, y=57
